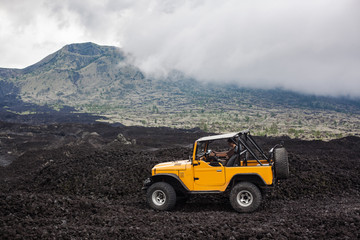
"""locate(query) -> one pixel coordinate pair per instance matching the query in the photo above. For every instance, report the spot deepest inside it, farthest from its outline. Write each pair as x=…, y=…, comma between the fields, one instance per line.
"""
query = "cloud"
x=31, y=30
x=306, y=46
x=311, y=47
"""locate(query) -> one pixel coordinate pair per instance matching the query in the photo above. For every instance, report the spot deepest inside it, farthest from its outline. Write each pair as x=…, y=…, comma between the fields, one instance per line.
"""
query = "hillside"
x=101, y=80
x=71, y=73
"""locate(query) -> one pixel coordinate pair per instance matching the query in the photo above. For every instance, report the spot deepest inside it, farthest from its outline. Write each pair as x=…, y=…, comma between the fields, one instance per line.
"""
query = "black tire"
x=281, y=163
x=245, y=197
x=161, y=196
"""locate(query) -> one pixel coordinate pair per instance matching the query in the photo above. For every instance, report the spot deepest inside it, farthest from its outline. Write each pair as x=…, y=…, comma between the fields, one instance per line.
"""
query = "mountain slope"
x=71, y=72
x=101, y=80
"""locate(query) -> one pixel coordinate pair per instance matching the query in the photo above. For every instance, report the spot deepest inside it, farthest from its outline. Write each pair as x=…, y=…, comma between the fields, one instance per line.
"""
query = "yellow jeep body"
x=196, y=175
x=200, y=176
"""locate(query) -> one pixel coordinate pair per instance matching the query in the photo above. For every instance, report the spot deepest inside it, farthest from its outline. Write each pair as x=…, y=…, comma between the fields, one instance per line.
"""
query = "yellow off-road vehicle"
x=244, y=172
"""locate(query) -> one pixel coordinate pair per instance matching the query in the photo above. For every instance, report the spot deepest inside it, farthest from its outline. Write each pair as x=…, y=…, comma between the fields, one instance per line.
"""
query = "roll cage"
x=245, y=144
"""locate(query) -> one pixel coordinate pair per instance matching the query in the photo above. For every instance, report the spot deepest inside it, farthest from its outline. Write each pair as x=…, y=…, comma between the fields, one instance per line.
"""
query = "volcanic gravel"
x=78, y=181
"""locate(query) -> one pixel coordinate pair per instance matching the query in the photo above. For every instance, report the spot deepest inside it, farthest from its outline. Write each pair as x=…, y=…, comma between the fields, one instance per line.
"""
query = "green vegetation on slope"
x=100, y=80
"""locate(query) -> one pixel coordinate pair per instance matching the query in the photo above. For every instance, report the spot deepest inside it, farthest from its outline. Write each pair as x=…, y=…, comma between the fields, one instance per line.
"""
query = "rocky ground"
x=78, y=181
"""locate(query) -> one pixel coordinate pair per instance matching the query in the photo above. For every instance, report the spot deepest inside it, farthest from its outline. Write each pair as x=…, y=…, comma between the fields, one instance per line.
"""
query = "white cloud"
x=31, y=30
x=307, y=46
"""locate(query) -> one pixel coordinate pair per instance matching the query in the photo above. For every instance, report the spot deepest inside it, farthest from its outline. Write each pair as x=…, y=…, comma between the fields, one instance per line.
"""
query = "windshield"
x=217, y=145
x=200, y=149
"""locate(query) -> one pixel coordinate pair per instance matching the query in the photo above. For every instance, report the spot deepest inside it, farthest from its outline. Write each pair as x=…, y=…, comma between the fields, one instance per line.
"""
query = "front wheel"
x=245, y=197
x=161, y=196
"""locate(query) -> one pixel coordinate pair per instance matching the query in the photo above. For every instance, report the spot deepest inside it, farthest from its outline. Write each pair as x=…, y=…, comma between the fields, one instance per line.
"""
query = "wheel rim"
x=158, y=197
x=244, y=198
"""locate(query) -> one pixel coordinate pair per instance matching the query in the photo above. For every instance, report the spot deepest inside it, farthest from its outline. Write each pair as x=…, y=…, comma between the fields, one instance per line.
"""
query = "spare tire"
x=281, y=163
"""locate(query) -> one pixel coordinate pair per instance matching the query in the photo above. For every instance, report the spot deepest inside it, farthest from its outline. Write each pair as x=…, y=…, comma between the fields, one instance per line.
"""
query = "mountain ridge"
x=59, y=73
x=101, y=80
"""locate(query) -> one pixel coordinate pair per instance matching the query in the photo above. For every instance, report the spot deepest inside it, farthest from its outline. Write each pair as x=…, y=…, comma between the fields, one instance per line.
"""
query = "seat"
x=234, y=158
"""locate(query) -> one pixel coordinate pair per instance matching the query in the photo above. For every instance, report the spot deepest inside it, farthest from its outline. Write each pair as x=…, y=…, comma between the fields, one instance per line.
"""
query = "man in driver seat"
x=226, y=154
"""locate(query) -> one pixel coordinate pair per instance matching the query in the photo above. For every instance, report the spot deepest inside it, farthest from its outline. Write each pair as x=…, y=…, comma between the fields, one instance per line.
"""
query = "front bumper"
x=146, y=184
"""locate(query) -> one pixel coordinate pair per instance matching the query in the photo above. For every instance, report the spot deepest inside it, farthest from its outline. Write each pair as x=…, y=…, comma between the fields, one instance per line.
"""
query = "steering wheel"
x=211, y=158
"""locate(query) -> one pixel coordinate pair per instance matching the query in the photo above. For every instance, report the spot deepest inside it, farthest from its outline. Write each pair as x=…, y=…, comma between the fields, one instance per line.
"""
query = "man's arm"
x=219, y=154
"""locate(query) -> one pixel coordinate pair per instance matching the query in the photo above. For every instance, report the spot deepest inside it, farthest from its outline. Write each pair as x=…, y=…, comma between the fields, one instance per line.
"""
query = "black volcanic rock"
x=74, y=181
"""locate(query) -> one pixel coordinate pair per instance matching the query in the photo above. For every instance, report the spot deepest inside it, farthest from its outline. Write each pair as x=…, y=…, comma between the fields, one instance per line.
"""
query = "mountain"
x=103, y=81
x=72, y=72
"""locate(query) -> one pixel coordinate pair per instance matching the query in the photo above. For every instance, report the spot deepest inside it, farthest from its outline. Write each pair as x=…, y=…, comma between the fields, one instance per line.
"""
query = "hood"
x=174, y=165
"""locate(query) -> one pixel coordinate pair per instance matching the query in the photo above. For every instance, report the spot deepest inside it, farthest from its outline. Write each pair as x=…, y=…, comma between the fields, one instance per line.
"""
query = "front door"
x=207, y=177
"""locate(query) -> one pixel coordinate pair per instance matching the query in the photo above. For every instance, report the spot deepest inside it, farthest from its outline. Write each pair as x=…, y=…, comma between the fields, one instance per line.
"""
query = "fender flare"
x=254, y=178
x=170, y=178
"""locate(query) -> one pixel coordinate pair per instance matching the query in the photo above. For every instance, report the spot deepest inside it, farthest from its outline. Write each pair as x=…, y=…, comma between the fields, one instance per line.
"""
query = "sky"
x=305, y=46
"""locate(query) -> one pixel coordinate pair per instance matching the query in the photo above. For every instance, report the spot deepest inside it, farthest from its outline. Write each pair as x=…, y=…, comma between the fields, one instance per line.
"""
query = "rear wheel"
x=161, y=196
x=281, y=163
x=245, y=197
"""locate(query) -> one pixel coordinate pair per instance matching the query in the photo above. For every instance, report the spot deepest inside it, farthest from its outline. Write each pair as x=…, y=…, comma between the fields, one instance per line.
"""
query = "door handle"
x=219, y=170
